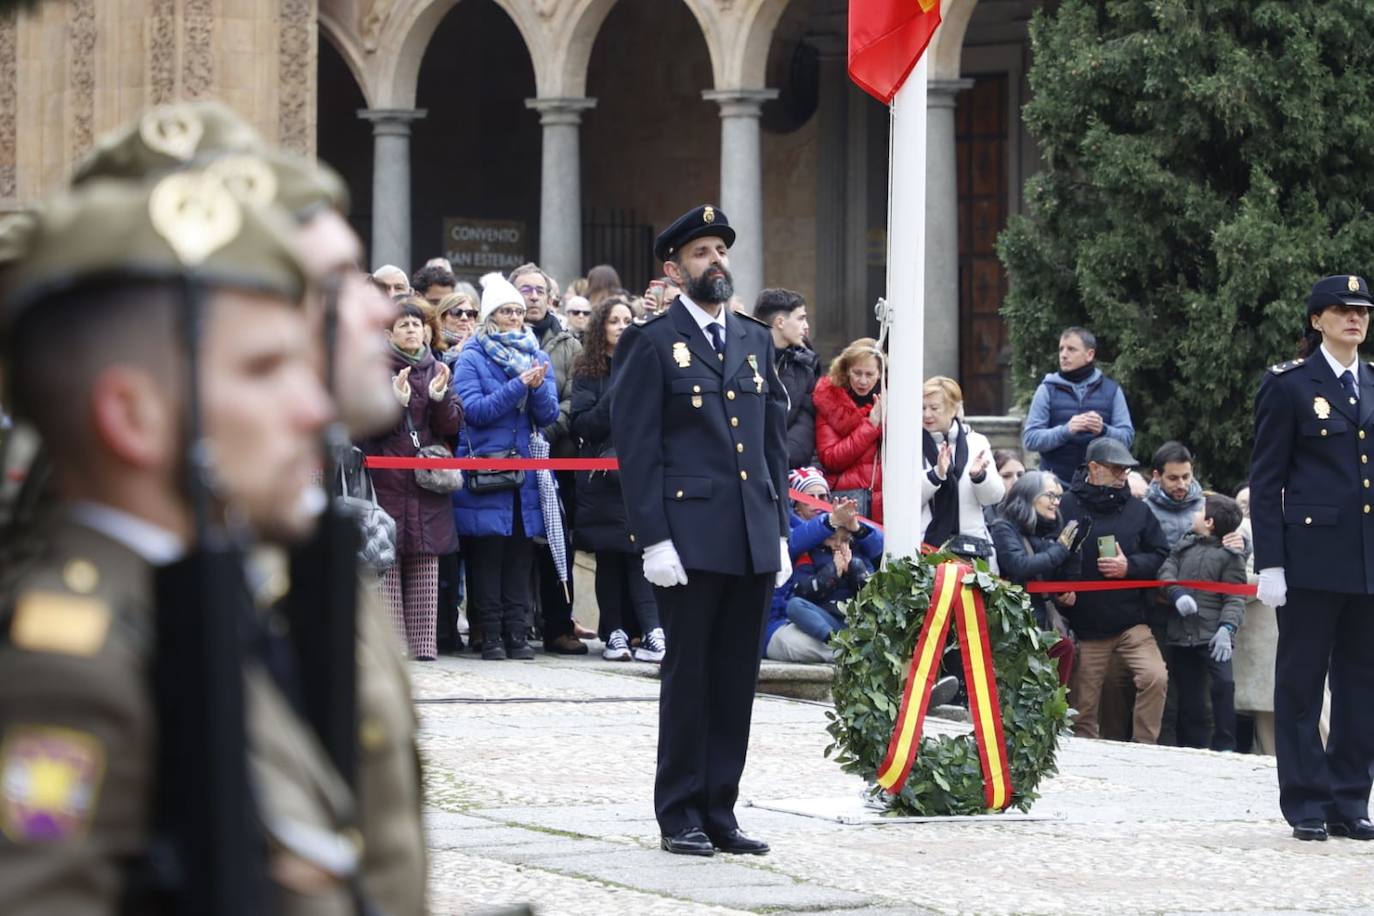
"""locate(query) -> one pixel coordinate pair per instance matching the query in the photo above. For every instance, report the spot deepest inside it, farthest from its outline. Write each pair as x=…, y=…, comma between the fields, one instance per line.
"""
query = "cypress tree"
x=1205, y=162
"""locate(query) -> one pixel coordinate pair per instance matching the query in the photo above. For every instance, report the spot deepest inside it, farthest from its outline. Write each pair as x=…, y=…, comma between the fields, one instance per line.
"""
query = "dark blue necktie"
x=717, y=336
x=1348, y=383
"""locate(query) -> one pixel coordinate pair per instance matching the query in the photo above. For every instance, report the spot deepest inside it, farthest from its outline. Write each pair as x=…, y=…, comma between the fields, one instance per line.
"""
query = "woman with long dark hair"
x=624, y=596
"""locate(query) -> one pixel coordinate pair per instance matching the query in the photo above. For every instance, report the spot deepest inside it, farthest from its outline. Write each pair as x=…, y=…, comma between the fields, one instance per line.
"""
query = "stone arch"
x=579, y=28
x=407, y=34
x=343, y=40
x=747, y=52
x=946, y=49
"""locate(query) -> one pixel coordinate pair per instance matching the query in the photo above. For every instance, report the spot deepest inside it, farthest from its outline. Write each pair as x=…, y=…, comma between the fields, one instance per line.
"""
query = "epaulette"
x=648, y=319
x=1281, y=368
x=753, y=319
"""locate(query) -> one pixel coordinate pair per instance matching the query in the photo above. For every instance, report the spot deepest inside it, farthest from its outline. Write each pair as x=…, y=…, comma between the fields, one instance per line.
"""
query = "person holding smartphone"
x=1126, y=543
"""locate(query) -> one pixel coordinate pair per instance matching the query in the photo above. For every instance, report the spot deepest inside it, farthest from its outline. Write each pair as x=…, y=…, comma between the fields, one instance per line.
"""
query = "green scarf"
x=412, y=358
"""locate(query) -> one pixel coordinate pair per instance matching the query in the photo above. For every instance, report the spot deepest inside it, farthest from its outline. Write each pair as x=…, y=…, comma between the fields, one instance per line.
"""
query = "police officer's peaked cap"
x=1342, y=289
x=187, y=224
x=696, y=223
x=207, y=134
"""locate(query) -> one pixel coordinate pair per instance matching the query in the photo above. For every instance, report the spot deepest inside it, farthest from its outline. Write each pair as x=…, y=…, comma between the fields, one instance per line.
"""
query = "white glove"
x=1273, y=586
x=1186, y=605
x=662, y=567
x=784, y=571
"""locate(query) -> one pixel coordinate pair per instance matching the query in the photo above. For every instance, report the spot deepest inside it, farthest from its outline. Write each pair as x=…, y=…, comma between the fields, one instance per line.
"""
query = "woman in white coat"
x=959, y=479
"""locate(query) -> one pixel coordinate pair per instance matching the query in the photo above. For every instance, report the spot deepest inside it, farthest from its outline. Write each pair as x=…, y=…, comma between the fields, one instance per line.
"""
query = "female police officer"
x=1313, y=512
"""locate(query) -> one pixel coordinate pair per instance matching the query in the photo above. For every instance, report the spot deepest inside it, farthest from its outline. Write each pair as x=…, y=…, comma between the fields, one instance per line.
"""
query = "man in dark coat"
x=699, y=422
x=798, y=367
x=1126, y=543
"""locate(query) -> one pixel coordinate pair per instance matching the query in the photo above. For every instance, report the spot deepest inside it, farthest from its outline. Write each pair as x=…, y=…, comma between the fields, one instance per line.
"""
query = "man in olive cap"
x=393, y=856
x=93, y=322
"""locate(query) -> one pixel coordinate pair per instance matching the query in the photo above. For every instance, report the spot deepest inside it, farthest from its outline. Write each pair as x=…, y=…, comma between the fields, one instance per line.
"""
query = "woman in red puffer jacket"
x=849, y=434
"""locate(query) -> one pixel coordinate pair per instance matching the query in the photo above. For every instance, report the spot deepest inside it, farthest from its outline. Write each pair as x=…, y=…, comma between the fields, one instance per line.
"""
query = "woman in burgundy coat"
x=424, y=519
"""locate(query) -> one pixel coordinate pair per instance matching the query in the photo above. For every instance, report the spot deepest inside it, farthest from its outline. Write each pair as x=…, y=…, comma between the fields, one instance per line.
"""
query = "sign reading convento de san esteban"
x=478, y=246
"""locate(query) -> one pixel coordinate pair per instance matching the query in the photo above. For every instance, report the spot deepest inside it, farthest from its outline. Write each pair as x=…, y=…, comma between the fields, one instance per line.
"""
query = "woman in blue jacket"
x=507, y=388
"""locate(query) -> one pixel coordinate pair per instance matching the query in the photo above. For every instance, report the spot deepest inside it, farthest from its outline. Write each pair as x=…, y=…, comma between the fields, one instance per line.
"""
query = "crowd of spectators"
x=521, y=365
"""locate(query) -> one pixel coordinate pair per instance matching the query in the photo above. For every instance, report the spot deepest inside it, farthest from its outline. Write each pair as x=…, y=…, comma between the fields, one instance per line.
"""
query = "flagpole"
x=906, y=245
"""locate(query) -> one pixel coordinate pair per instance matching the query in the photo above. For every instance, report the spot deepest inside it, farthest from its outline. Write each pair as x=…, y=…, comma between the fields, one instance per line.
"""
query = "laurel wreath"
x=872, y=656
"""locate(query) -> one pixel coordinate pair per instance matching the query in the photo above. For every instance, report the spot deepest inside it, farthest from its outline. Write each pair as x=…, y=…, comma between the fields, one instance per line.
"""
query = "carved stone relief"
x=371, y=21
x=162, y=52
x=9, y=104
x=296, y=76
x=197, y=59
x=82, y=34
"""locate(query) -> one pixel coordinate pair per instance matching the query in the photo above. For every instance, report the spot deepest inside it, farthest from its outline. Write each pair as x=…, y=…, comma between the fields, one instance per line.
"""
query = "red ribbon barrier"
x=611, y=464
x=1114, y=585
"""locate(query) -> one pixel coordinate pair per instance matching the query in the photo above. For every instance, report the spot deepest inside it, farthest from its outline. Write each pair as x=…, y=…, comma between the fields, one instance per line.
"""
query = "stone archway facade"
x=261, y=59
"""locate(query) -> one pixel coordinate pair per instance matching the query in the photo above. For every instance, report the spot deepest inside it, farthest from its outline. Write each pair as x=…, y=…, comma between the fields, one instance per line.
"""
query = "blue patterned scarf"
x=513, y=351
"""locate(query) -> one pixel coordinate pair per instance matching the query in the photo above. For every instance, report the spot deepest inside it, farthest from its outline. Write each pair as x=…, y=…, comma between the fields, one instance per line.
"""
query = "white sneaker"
x=617, y=647
x=652, y=649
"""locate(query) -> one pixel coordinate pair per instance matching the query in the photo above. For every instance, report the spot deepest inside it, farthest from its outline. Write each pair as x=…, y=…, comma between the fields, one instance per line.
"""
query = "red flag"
x=886, y=39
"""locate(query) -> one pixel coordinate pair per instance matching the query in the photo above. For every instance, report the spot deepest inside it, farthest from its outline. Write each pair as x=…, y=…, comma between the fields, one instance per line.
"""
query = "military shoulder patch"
x=64, y=624
x=50, y=779
x=1281, y=368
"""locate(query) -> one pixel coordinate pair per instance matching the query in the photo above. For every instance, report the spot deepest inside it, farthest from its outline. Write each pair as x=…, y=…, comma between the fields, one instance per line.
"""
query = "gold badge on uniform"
x=1353, y=284
x=1321, y=407
x=681, y=355
x=173, y=131
x=708, y=215
x=248, y=178
x=758, y=379
x=195, y=214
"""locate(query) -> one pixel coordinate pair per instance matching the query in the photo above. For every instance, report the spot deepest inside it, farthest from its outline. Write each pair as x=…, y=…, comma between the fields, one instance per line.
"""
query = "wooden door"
x=981, y=142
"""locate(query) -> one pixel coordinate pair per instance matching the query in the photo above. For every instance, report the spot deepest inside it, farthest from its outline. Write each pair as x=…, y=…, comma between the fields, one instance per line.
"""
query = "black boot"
x=493, y=650
x=518, y=648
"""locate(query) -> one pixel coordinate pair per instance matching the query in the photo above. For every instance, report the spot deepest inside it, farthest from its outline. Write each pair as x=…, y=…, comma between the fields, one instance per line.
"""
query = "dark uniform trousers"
x=1312, y=506
x=712, y=627
x=1316, y=627
x=702, y=442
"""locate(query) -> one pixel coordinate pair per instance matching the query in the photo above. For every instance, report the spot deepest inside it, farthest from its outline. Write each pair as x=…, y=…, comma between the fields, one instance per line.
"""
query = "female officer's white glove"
x=1273, y=587
x=785, y=570
x=662, y=567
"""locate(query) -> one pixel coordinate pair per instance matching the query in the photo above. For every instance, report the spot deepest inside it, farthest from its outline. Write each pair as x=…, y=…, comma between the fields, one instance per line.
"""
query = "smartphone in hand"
x=1106, y=545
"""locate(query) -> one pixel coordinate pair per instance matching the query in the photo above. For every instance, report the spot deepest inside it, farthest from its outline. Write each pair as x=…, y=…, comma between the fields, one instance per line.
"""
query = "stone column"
x=391, y=184
x=741, y=182
x=942, y=230
x=827, y=313
x=560, y=191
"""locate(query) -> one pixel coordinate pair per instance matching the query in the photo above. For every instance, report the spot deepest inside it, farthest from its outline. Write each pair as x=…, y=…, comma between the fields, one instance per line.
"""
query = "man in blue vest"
x=1074, y=406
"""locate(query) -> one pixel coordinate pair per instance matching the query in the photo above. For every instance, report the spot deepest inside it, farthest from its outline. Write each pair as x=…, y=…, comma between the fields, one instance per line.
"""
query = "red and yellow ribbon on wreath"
x=965, y=603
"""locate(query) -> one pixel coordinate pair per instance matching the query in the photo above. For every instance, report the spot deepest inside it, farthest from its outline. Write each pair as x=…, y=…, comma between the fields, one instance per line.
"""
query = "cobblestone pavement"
x=539, y=779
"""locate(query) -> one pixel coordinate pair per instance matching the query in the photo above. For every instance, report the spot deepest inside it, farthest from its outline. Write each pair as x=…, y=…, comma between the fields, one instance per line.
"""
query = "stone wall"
x=72, y=70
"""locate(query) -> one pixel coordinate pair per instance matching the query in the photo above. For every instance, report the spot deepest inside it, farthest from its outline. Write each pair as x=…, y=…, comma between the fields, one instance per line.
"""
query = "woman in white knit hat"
x=507, y=388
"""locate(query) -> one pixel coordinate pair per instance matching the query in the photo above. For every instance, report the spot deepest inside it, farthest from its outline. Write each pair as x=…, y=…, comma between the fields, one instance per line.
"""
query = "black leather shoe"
x=1310, y=830
x=737, y=843
x=689, y=841
x=1358, y=829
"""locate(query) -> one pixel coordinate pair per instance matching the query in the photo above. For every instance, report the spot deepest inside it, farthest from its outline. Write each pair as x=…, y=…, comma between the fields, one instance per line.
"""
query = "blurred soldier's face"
x=265, y=409
x=330, y=250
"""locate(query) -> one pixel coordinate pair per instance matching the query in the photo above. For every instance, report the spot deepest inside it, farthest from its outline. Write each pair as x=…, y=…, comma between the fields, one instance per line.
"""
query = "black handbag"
x=436, y=480
x=479, y=482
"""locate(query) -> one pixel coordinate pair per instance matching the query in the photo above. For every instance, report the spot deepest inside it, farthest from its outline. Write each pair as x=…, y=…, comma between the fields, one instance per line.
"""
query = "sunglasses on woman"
x=466, y=313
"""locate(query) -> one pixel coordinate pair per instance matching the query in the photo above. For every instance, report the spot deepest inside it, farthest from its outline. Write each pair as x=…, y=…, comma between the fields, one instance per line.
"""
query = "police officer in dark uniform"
x=1312, y=505
x=699, y=420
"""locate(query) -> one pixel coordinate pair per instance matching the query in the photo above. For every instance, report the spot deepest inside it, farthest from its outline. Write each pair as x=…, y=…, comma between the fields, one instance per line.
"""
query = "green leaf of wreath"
x=872, y=655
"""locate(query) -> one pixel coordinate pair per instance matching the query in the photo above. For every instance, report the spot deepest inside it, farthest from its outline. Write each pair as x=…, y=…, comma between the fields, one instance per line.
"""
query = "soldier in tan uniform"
x=393, y=867
x=91, y=328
